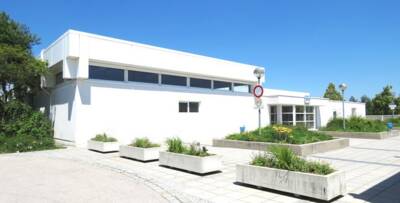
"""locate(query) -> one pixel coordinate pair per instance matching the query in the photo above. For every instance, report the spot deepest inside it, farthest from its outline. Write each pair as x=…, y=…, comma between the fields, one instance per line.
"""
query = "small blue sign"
x=242, y=129
x=389, y=125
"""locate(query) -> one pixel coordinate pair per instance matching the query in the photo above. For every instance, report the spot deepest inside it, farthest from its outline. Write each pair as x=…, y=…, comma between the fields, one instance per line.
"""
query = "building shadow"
x=385, y=191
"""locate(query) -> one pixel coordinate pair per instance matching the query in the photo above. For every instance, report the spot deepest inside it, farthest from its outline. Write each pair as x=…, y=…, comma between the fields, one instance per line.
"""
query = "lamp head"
x=259, y=72
x=392, y=106
x=343, y=87
x=307, y=100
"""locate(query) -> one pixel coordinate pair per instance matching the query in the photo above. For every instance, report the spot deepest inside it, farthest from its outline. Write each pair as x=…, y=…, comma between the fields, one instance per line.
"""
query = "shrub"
x=23, y=129
x=281, y=134
x=104, y=138
x=395, y=121
x=356, y=124
x=176, y=145
x=143, y=143
x=286, y=159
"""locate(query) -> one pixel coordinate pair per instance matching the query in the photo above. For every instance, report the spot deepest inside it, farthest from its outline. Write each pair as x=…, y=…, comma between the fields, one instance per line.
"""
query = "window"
x=310, y=118
x=202, y=83
x=300, y=116
x=146, y=77
x=287, y=115
x=59, y=78
x=353, y=112
x=273, y=112
x=173, y=80
x=334, y=115
x=183, y=107
x=192, y=107
x=239, y=87
x=220, y=85
x=103, y=73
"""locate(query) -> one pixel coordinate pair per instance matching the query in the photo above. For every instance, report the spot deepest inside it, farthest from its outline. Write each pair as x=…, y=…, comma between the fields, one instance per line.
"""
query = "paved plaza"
x=78, y=175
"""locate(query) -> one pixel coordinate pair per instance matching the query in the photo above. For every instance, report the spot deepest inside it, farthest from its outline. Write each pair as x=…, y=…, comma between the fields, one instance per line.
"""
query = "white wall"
x=127, y=110
x=331, y=106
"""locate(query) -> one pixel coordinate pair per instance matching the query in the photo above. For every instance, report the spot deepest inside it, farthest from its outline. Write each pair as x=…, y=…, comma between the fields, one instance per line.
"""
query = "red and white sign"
x=258, y=91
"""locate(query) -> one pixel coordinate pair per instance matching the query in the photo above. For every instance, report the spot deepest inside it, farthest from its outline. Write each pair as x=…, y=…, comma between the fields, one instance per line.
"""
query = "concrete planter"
x=363, y=135
x=103, y=146
x=196, y=164
x=324, y=187
x=299, y=149
x=142, y=154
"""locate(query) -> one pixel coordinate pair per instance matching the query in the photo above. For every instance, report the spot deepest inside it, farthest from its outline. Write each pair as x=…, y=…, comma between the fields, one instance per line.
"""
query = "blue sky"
x=303, y=45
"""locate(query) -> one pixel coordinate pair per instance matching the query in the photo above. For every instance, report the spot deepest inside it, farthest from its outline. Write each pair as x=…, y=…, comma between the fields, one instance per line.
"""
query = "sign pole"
x=259, y=114
x=258, y=91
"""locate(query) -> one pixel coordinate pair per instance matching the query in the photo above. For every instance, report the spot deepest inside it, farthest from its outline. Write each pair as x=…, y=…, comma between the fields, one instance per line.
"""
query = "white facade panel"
x=89, y=47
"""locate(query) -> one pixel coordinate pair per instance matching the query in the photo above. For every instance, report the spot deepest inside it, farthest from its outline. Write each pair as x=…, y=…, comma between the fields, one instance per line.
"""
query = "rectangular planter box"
x=299, y=149
x=142, y=154
x=196, y=164
x=103, y=146
x=363, y=135
x=324, y=187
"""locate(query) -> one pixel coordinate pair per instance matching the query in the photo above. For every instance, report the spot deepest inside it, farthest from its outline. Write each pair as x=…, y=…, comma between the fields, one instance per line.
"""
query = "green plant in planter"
x=143, y=143
x=104, y=138
x=176, y=145
x=196, y=150
x=281, y=134
x=285, y=159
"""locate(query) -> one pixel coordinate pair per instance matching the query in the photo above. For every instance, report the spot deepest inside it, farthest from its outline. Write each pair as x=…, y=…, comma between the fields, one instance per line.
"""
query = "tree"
x=20, y=71
x=368, y=104
x=382, y=100
x=397, y=102
x=353, y=99
x=331, y=93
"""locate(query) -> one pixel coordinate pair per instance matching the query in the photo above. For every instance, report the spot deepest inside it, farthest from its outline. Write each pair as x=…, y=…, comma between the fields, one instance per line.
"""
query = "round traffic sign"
x=258, y=91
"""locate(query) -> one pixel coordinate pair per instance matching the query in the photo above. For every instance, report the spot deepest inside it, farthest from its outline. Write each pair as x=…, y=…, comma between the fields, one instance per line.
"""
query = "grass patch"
x=176, y=145
x=281, y=134
x=286, y=159
x=143, y=143
x=104, y=138
x=356, y=124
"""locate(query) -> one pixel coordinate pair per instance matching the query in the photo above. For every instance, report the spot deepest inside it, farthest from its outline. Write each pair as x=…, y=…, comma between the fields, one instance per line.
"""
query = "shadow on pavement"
x=385, y=191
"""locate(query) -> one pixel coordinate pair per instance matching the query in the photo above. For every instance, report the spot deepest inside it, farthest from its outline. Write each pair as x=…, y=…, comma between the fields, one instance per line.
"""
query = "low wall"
x=300, y=149
x=380, y=117
x=363, y=135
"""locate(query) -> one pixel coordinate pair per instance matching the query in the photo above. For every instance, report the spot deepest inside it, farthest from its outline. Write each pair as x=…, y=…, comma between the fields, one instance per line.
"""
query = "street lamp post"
x=392, y=107
x=343, y=87
x=259, y=73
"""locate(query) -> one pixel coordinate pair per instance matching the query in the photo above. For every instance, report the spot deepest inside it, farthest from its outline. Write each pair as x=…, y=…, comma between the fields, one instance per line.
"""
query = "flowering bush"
x=282, y=133
x=282, y=130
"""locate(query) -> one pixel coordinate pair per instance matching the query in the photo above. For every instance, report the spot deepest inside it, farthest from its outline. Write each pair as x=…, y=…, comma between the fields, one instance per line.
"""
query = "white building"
x=125, y=89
